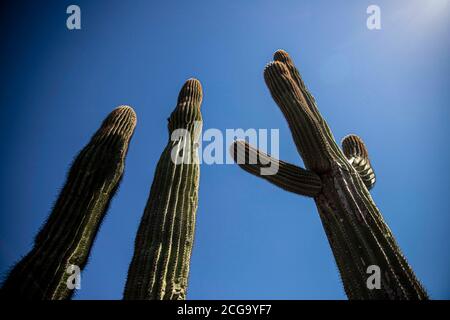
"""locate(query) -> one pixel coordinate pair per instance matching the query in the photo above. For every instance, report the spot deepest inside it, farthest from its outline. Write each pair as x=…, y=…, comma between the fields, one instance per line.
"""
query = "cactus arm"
x=68, y=235
x=160, y=265
x=288, y=176
x=303, y=124
x=309, y=103
x=356, y=152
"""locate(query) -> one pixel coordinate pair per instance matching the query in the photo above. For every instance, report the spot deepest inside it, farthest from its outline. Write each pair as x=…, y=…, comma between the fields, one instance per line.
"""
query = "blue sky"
x=253, y=240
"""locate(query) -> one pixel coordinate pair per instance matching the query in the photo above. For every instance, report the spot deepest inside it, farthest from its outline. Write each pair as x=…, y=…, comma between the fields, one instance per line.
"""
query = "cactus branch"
x=160, y=265
x=304, y=126
x=309, y=103
x=288, y=176
x=356, y=152
x=67, y=236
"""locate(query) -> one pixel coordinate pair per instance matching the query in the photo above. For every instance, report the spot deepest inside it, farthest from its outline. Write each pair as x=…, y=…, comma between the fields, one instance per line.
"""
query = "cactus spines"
x=67, y=236
x=357, y=233
x=160, y=265
x=356, y=152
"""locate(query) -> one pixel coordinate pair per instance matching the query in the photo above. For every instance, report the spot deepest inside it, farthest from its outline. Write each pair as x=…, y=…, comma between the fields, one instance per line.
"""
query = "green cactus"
x=67, y=236
x=338, y=181
x=160, y=265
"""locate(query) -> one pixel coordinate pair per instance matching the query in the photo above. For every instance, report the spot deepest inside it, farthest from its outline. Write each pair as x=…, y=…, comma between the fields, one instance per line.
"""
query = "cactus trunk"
x=360, y=238
x=160, y=265
x=67, y=236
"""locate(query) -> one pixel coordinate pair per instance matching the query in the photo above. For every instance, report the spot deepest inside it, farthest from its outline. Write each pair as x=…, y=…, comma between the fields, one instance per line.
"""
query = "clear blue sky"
x=252, y=240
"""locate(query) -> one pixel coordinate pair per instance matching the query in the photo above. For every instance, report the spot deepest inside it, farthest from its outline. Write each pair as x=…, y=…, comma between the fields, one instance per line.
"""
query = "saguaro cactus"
x=67, y=236
x=338, y=181
x=160, y=265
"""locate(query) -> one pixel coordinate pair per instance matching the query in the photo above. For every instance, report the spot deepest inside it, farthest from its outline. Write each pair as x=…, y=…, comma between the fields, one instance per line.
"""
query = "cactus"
x=338, y=181
x=67, y=236
x=160, y=265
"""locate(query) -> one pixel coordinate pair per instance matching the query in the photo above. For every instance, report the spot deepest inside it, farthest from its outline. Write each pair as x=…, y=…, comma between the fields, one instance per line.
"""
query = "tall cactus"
x=160, y=265
x=339, y=184
x=67, y=236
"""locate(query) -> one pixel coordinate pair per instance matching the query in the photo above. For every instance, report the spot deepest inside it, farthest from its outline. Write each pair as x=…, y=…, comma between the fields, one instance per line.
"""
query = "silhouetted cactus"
x=67, y=236
x=356, y=231
x=163, y=246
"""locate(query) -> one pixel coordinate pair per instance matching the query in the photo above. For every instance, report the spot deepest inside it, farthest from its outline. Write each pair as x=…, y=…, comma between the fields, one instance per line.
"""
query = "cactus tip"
x=281, y=55
x=192, y=89
x=352, y=145
x=275, y=67
x=122, y=117
x=125, y=109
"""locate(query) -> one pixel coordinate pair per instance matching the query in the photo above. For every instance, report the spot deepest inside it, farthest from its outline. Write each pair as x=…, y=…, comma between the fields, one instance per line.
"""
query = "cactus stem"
x=67, y=236
x=160, y=265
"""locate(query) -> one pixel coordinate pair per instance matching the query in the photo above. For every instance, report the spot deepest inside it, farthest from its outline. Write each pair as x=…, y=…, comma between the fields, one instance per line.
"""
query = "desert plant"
x=160, y=265
x=338, y=181
x=66, y=238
